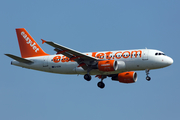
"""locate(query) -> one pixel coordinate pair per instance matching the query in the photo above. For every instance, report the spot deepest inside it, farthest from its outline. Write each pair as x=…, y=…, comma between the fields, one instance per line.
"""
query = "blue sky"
x=90, y=25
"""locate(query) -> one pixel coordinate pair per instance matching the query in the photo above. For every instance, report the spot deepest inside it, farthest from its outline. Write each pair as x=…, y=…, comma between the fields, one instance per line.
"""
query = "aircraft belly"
x=133, y=65
x=63, y=68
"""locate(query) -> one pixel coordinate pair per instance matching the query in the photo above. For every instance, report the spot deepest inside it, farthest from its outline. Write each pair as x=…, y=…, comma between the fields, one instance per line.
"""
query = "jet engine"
x=126, y=77
x=107, y=65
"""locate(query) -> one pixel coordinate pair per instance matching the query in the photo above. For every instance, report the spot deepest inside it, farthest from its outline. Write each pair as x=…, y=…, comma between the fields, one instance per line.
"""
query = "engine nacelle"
x=107, y=65
x=126, y=77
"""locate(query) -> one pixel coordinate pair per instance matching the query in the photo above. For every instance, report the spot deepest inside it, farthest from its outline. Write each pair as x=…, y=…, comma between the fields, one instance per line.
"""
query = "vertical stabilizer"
x=28, y=46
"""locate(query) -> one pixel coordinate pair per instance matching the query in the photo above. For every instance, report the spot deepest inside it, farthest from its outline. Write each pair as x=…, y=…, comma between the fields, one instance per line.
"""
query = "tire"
x=148, y=78
x=101, y=85
x=87, y=77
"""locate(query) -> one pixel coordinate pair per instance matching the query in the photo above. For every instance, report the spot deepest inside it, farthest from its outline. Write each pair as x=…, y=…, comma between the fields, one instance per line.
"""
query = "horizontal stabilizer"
x=19, y=59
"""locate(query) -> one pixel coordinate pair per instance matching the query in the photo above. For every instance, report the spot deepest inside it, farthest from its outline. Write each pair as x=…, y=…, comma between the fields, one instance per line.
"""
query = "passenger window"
x=156, y=53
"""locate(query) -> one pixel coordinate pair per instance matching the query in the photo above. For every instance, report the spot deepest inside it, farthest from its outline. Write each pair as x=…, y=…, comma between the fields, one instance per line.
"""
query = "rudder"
x=28, y=46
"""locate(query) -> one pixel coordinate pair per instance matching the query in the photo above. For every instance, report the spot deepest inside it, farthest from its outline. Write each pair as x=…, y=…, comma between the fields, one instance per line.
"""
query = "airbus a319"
x=118, y=65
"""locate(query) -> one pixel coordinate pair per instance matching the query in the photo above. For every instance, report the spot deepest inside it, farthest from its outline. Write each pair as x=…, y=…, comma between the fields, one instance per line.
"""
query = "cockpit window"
x=159, y=54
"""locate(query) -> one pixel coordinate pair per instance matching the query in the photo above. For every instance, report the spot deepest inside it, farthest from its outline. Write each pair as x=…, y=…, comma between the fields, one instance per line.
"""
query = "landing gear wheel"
x=148, y=78
x=87, y=77
x=101, y=85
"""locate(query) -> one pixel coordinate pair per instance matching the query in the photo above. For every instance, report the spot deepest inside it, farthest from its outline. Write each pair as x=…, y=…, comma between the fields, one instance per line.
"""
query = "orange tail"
x=28, y=46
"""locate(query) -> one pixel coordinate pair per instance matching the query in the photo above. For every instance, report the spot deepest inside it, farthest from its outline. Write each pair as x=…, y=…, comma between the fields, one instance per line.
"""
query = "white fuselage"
x=128, y=60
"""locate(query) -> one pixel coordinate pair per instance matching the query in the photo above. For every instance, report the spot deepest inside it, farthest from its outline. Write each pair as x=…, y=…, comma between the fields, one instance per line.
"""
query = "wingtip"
x=43, y=41
x=6, y=54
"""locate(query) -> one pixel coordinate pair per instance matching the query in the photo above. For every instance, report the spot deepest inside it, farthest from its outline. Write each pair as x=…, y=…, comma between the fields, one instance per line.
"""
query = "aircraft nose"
x=170, y=61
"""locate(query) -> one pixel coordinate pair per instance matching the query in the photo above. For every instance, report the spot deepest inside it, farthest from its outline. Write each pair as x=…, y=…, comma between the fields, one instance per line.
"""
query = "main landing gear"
x=147, y=73
x=101, y=84
x=87, y=77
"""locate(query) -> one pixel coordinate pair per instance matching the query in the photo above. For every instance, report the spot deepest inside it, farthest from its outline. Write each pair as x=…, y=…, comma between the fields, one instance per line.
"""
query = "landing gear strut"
x=147, y=73
x=101, y=84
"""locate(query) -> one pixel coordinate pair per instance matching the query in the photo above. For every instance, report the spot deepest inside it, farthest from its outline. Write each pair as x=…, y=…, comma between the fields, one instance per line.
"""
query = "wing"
x=70, y=53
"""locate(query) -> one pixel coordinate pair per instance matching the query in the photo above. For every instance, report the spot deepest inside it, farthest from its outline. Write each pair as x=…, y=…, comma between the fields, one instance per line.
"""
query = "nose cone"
x=162, y=61
x=169, y=61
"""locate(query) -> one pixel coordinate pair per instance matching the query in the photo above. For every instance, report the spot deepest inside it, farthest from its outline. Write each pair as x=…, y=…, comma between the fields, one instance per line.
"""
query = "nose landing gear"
x=148, y=78
x=147, y=73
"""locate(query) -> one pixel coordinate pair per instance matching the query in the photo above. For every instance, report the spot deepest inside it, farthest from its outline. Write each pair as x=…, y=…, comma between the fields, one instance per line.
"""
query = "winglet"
x=43, y=41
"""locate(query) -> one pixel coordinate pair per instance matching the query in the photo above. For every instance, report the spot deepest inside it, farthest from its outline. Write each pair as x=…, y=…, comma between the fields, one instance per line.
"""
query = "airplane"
x=118, y=65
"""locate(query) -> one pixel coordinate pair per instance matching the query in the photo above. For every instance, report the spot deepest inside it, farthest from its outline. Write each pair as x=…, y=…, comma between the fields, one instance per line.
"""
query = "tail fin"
x=28, y=46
